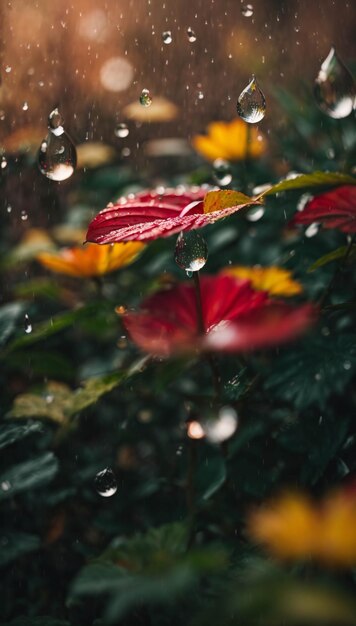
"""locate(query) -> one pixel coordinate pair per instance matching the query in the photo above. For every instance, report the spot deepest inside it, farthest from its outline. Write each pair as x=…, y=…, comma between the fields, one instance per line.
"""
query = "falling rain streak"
x=57, y=157
x=335, y=90
x=251, y=103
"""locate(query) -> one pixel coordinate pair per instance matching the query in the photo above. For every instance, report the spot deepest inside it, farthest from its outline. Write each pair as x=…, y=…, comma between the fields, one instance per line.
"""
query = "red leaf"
x=333, y=209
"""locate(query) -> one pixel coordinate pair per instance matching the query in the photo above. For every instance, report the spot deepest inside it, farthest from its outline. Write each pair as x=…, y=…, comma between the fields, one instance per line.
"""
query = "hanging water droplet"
x=255, y=214
x=145, y=98
x=223, y=427
x=191, y=251
x=191, y=35
x=105, y=483
x=121, y=130
x=312, y=230
x=57, y=156
x=167, y=37
x=251, y=103
x=222, y=172
x=27, y=325
x=335, y=90
x=247, y=10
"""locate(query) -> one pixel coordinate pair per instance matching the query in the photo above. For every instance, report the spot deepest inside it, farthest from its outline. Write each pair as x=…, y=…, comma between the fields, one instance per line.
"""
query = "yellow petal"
x=276, y=280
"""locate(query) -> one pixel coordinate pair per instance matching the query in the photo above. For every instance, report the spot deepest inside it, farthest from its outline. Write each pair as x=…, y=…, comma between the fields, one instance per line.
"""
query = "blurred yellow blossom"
x=92, y=154
x=276, y=280
x=228, y=140
x=91, y=260
x=293, y=527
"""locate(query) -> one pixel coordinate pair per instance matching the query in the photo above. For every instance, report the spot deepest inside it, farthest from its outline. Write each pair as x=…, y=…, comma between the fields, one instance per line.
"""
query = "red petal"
x=333, y=209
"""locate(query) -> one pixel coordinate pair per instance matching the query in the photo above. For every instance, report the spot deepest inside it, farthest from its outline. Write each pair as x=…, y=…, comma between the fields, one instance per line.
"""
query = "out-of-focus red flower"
x=150, y=215
x=332, y=209
x=236, y=319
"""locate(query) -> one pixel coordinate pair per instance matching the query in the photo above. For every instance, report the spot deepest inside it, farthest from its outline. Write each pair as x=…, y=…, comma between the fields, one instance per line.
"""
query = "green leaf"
x=335, y=255
x=9, y=315
x=14, y=545
x=10, y=433
x=28, y=475
x=311, y=181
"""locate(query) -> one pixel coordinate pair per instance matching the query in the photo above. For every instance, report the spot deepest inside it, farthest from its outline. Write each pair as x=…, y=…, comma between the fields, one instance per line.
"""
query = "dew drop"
x=27, y=325
x=121, y=130
x=105, y=483
x=247, y=10
x=251, y=103
x=191, y=251
x=191, y=35
x=312, y=230
x=145, y=98
x=335, y=90
x=222, y=172
x=167, y=37
x=223, y=427
x=57, y=155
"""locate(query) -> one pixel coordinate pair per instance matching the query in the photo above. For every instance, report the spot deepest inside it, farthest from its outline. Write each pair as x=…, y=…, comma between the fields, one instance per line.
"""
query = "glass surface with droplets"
x=57, y=157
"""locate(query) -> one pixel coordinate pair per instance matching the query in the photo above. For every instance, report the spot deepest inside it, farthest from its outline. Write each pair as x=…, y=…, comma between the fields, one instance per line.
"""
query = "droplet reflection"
x=191, y=251
x=335, y=91
x=251, y=103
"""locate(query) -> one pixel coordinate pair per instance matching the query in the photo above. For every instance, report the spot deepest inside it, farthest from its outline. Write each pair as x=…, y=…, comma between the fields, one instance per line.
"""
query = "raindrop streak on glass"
x=105, y=483
x=167, y=37
x=121, y=130
x=191, y=35
x=27, y=325
x=335, y=91
x=191, y=251
x=222, y=172
x=145, y=98
x=57, y=157
x=251, y=103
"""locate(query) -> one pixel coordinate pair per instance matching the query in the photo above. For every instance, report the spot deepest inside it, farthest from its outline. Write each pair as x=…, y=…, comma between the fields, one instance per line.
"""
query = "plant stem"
x=339, y=268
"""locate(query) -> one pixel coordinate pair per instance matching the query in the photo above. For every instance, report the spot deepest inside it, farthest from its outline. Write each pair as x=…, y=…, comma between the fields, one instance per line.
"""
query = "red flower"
x=333, y=209
x=236, y=318
x=149, y=215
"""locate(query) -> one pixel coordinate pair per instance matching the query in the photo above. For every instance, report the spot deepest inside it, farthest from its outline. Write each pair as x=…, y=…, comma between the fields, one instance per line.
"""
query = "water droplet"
x=312, y=230
x=247, y=10
x=347, y=365
x=223, y=427
x=25, y=106
x=167, y=37
x=121, y=130
x=335, y=90
x=57, y=157
x=200, y=95
x=145, y=98
x=179, y=451
x=9, y=208
x=191, y=35
x=195, y=430
x=5, y=485
x=251, y=103
x=27, y=325
x=255, y=214
x=222, y=172
x=105, y=483
x=191, y=251
x=24, y=216
x=8, y=69
x=3, y=162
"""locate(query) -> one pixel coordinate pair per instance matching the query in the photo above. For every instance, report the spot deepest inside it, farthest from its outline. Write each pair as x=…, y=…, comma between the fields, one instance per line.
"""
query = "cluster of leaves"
x=77, y=397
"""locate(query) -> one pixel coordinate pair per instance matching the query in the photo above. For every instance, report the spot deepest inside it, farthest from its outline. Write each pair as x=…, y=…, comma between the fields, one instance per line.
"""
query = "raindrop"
x=255, y=214
x=8, y=69
x=121, y=130
x=334, y=89
x=222, y=428
x=3, y=162
x=251, y=103
x=247, y=10
x=312, y=230
x=25, y=106
x=179, y=451
x=347, y=365
x=191, y=35
x=195, y=430
x=222, y=172
x=24, y=216
x=5, y=485
x=200, y=95
x=57, y=156
x=105, y=483
x=145, y=98
x=167, y=37
x=191, y=251
x=9, y=208
x=27, y=325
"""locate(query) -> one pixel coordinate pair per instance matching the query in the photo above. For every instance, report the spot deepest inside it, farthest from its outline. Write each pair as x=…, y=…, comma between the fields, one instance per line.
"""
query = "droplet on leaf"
x=222, y=172
x=145, y=98
x=251, y=103
x=335, y=90
x=105, y=483
x=57, y=156
x=191, y=251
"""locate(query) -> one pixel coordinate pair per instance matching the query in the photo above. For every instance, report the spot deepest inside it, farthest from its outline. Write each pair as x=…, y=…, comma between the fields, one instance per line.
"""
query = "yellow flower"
x=293, y=528
x=228, y=140
x=276, y=280
x=91, y=259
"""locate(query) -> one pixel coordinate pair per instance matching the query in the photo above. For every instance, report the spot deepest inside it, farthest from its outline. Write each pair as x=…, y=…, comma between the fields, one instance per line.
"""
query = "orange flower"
x=276, y=280
x=91, y=259
x=228, y=140
x=293, y=528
